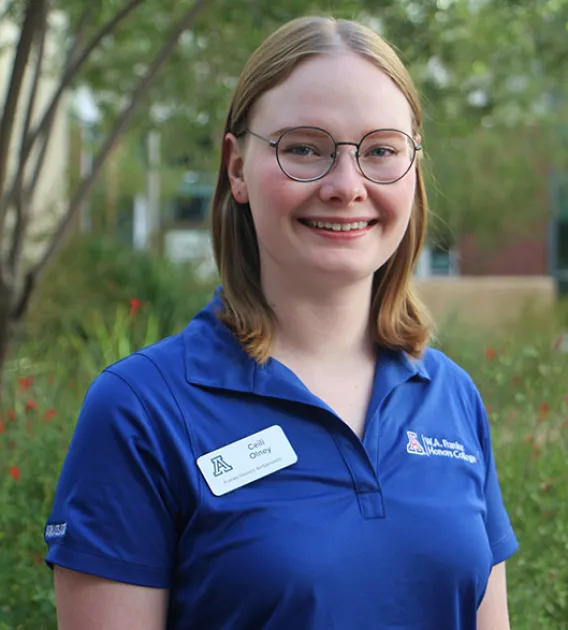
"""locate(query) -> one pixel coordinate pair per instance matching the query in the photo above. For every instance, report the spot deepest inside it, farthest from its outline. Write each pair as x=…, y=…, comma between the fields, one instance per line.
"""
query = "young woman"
x=296, y=457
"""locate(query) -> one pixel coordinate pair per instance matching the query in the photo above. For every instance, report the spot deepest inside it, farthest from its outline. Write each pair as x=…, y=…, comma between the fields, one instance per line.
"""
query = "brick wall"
x=522, y=256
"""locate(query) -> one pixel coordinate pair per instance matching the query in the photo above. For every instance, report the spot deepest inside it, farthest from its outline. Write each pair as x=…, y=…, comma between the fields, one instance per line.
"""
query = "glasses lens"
x=305, y=153
x=386, y=156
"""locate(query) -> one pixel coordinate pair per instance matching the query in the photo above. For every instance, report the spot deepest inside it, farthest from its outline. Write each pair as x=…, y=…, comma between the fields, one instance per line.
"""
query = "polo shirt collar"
x=215, y=359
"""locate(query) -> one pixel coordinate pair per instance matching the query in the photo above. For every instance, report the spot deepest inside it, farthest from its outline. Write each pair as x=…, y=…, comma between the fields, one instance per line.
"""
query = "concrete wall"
x=487, y=302
x=51, y=193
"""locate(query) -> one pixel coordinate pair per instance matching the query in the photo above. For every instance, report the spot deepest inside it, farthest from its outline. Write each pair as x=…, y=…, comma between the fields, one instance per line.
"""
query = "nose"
x=345, y=183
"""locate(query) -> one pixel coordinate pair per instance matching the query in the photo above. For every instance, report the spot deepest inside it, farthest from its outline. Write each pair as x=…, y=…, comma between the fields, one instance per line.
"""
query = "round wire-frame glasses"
x=391, y=161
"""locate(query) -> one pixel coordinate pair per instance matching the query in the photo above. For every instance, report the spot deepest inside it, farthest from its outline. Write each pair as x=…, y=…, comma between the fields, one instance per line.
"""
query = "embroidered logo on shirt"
x=414, y=445
x=220, y=466
x=437, y=448
x=57, y=530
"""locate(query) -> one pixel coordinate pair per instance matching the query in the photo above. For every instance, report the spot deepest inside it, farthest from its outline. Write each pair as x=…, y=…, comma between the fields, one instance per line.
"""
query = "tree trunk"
x=6, y=327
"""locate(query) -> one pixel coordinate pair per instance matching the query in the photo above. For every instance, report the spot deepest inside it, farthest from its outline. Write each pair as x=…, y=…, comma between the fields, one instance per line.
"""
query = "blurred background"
x=112, y=118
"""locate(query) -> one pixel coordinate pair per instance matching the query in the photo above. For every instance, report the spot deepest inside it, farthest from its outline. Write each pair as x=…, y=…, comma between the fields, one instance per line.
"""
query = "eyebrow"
x=282, y=130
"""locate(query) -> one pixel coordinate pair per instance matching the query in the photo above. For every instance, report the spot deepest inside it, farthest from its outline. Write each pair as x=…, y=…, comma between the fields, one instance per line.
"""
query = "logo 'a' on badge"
x=220, y=466
x=414, y=446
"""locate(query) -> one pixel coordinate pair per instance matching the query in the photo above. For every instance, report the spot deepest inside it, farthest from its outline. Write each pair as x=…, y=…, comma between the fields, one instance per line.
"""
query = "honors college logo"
x=220, y=466
x=435, y=447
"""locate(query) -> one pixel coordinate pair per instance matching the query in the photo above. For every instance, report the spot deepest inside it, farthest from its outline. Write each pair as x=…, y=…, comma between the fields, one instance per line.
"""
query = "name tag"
x=246, y=460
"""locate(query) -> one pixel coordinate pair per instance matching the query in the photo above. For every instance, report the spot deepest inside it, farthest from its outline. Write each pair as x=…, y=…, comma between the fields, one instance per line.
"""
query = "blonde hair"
x=402, y=322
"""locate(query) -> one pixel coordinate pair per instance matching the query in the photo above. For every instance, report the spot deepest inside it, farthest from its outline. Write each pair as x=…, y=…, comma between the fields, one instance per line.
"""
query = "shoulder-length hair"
x=401, y=320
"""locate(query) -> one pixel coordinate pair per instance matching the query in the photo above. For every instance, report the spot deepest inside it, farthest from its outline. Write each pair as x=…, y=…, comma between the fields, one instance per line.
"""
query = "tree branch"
x=48, y=120
x=76, y=64
x=80, y=31
x=32, y=20
x=22, y=198
x=114, y=135
x=40, y=49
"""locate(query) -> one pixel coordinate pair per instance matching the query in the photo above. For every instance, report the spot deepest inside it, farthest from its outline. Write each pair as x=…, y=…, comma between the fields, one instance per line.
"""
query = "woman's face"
x=348, y=96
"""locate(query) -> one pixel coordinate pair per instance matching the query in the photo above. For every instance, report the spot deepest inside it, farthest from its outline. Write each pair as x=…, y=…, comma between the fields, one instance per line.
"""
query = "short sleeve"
x=497, y=523
x=114, y=514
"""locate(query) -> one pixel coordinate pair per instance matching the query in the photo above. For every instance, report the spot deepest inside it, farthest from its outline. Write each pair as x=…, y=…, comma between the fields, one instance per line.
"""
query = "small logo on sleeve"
x=56, y=531
x=437, y=447
x=220, y=466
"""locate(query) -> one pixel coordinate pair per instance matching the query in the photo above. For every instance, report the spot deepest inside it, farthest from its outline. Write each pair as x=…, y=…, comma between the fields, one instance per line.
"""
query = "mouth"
x=331, y=226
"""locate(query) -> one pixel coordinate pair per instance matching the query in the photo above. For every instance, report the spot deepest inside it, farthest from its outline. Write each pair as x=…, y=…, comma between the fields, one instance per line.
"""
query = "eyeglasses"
x=306, y=154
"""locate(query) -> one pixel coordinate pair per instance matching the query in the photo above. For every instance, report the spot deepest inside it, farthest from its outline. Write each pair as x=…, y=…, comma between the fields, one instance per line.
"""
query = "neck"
x=319, y=322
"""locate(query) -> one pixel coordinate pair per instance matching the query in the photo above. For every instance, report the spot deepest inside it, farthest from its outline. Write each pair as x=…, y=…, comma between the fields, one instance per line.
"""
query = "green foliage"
x=93, y=276
x=493, y=114
x=522, y=376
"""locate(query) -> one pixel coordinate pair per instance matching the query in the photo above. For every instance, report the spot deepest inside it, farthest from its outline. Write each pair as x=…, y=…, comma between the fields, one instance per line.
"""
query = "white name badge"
x=246, y=460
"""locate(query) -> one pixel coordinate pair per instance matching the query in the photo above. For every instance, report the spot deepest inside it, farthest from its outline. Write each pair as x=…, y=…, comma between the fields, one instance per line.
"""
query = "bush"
x=94, y=275
x=523, y=381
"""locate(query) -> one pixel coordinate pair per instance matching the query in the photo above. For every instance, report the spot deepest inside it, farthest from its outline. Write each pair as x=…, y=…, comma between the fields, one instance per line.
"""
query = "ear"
x=234, y=163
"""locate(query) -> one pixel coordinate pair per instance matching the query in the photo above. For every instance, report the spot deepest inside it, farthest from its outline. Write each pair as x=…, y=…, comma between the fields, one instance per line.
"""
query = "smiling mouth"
x=339, y=227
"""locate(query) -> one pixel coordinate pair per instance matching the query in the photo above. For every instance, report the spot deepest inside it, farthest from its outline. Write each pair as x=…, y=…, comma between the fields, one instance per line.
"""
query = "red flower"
x=49, y=414
x=15, y=473
x=557, y=343
x=2, y=426
x=135, y=306
x=25, y=383
x=543, y=411
x=490, y=354
x=12, y=415
x=30, y=404
x=516, y=380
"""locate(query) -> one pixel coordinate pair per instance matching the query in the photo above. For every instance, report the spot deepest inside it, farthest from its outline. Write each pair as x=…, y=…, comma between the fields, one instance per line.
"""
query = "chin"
x=337, y=274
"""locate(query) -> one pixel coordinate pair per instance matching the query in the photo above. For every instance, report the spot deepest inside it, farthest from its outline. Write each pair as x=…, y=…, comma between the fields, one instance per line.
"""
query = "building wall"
x=486, y=302
x=523, y=256
x=48, y=203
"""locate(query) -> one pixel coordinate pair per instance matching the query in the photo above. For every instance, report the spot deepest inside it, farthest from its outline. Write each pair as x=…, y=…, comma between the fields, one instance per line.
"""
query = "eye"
x=301, y=150
x=380, y=152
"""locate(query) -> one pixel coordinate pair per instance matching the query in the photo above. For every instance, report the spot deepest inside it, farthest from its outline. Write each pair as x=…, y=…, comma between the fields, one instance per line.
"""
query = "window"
x=192, y=210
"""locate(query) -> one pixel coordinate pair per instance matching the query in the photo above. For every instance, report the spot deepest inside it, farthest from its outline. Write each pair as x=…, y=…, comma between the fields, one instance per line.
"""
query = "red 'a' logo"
x=414, y=446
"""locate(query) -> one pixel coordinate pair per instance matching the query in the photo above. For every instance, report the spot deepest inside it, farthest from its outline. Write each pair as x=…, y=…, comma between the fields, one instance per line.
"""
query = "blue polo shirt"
x=397, y=531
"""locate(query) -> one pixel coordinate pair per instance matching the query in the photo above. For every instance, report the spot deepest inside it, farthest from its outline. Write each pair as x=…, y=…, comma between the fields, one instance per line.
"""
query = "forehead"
x=343, y=93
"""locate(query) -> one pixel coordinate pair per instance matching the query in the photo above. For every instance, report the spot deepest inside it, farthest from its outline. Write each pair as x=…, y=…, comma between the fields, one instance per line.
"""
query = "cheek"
x=398, y=199
x=271, y=193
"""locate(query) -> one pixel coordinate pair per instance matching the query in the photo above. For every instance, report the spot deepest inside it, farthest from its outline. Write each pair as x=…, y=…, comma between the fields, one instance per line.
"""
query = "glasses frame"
x=276, y=143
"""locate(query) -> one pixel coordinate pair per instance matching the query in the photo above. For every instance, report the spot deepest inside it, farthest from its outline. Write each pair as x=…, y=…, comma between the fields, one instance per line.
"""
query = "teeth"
x=339, y=227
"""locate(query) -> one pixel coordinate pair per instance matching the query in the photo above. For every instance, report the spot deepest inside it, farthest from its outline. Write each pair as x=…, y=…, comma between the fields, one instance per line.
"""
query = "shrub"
x=94, y=275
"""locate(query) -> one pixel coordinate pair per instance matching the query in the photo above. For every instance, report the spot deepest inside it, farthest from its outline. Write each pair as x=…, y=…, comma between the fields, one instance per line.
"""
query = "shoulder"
x=444, y=371
x=455, y=386
x=150, y=365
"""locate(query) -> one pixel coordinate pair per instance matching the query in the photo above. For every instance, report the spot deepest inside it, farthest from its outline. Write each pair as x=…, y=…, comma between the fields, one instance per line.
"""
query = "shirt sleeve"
x=114, y=514
x=497, y=523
